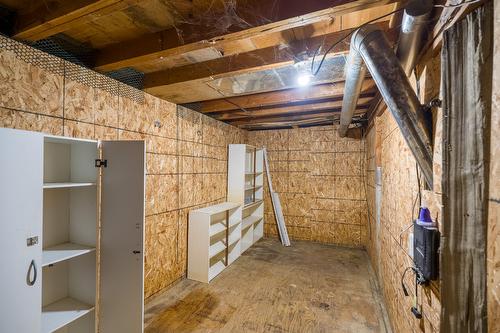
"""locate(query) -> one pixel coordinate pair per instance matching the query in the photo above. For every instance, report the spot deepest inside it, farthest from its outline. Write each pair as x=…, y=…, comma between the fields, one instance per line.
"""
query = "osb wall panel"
x=186, y=151
x=387, y=243
x=493, y=254
x=319, y=178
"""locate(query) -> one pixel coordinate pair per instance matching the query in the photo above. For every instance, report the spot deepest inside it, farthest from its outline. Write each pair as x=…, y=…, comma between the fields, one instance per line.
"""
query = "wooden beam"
x=295, y=95
x=289, y=110
x=445, y=19
x=281, y=118
x=266, y=58
x=292, y=13
x=58, y=16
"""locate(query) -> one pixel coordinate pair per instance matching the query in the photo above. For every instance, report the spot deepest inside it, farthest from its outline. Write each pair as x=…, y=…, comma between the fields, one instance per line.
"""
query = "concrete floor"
x=308, y=287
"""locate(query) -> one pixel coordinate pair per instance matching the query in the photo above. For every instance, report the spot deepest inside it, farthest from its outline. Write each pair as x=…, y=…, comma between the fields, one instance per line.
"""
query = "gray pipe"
x=355, y=73
x=397, y=93
x=414, y=22
x=413, y=25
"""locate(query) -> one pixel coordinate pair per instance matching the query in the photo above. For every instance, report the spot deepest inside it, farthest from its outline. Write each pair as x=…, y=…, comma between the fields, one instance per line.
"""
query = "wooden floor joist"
x=164, y=44
x=312, y=93
x=289, y=110
x=50, y=19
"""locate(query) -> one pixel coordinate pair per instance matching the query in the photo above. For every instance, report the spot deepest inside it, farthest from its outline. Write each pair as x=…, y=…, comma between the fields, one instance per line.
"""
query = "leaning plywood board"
x=278, y=212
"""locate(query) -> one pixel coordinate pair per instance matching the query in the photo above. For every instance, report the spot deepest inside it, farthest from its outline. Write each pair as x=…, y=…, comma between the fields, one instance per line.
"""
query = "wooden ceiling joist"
x=262, y=120
x=363, y=103
x=312, y=93
x=266, y=58
x=54, y=17
x=291, y=14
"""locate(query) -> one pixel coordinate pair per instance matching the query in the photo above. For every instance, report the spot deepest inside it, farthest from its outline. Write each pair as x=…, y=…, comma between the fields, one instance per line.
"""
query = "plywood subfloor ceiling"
x=235, y=60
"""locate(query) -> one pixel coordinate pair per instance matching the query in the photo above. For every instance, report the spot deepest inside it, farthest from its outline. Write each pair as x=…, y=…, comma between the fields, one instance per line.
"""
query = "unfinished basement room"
x=250, y=166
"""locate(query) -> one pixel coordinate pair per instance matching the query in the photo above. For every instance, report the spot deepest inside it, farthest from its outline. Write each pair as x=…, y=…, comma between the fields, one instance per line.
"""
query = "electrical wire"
x=315, y=72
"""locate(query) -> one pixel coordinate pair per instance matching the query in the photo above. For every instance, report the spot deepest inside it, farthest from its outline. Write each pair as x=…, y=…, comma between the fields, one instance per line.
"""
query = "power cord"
x=416, y=309
x=315, y=72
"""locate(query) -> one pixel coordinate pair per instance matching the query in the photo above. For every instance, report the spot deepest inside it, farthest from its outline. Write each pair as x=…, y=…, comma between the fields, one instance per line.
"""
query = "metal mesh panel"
x=61, y=62
x=195, y=106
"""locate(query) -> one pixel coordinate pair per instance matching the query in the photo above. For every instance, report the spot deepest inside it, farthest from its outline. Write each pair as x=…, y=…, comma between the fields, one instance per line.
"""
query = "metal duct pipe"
x=397, y=93
x=415, y=18
x=354, y=77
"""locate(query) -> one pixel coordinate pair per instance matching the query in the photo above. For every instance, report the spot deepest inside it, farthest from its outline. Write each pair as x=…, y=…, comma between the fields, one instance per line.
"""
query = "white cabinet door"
x=122, y=237
x=21, y=195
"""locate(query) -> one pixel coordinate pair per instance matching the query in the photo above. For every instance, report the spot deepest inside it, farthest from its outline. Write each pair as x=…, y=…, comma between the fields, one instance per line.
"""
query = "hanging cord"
x=415, y=309
x=418, y=197
x=314, y=72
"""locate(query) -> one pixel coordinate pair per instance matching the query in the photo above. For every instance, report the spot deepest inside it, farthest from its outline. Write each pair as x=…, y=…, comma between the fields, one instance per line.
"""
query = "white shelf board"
x=233, y=239
x=249, y=188
x=62, y=312
x=245, y=246
x=66, y=185
x=64, y=139
x=251, y=204
x=61, y=252
x=216, y=269
x=215, y=209
x=232, y=224
x=253, y=173
x=217, y=228
x=249, y=220
x=216, y=248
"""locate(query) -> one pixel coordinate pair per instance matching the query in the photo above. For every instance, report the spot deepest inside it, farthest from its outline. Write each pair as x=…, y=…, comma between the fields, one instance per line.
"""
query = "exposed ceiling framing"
x=235, y=59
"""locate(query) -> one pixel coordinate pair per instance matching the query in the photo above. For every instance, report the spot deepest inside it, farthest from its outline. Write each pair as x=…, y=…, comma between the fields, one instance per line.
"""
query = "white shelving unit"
x=69, y=234
x=213, y=240
x=59, y=240
x=246, y=186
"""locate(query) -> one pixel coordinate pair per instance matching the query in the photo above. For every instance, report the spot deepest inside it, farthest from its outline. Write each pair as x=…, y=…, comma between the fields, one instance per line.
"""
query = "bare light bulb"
x=303, y=79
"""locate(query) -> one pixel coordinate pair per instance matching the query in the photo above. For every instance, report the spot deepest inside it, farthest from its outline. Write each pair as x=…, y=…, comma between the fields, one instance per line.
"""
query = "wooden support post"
x=467, y=68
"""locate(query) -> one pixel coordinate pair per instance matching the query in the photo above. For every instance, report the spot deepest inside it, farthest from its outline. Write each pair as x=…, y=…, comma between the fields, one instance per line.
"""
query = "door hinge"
x=101, y=163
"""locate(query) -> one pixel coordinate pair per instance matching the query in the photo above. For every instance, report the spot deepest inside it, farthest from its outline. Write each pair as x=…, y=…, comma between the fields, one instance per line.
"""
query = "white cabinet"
x=245, y=185
x=21, y=179
x=213, y=240
x=58, y=239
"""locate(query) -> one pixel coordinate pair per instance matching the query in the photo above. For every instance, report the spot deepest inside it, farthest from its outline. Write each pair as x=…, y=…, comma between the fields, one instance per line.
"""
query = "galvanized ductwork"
x=355, y=74
x=413, y=25
x=390, y=73
x=415, y=18
x=397, y=93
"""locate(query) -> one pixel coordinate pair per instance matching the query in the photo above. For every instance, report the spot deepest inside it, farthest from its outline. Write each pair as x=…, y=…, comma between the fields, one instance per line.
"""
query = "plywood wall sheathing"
x=319, y=178
x=388, y=250
x=186, y=151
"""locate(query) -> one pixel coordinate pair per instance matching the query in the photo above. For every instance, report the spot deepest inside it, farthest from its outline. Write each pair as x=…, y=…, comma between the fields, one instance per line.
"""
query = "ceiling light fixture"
x=304, y=79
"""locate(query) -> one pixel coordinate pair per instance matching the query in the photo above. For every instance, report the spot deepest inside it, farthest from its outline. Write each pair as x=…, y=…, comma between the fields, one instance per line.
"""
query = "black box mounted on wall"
x=425, y=251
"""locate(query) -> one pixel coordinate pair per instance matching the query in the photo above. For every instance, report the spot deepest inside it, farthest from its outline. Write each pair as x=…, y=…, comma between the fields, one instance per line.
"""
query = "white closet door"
x=21, y=195
x=122, y=237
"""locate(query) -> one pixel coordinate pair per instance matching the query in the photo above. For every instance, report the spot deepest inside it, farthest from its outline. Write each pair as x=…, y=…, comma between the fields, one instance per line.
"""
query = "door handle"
x=136, y=252
x=32, y=268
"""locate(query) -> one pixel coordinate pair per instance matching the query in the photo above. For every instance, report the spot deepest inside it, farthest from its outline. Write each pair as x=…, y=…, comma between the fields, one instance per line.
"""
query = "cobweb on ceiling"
x=218, y=18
